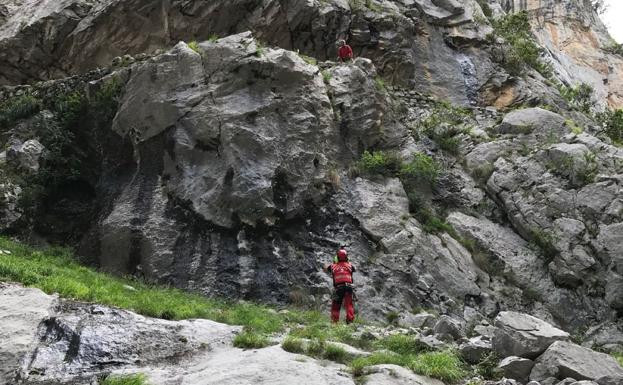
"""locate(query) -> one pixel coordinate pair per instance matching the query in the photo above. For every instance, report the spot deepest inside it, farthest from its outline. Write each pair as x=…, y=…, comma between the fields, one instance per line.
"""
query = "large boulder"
x=25, y=156
x=525, y=121
x=517, y=368
x=523, y=335
x=565, y=359
x=21, y=312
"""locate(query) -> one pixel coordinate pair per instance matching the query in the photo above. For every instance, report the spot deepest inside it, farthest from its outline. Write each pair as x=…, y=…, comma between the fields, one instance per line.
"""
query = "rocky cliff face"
x=232, y=166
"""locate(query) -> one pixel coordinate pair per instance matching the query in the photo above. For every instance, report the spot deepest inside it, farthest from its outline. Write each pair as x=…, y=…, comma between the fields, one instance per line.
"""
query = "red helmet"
x=342, y=255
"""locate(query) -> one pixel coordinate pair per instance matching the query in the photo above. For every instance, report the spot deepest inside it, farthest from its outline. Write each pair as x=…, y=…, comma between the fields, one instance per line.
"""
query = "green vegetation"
x=579, y=97
x=488, y=367
x=619, y=357
x=486, y=9
x=293, y=345
x=194, y=46
x=445, y=365
x=55, y=271
x=259, y=48
x=403, y=344
x=380, y=163
x=444, y=125
x=612, y=124
x=132, y=379
x=308, y=59
x=17, y=108
x=335, y=353
x=544, y=241
x=326, y=76
x=380, y=84
x=422, y=168
x=614, y=48
x=249, y=339
x=522, y=49
x=573, y=126
x=212, y=38
x=377, y=358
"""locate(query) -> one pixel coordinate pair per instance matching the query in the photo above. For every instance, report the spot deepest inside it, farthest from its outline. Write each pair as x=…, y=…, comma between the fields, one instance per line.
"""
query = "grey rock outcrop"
x=517, y=368
x=523, y=335
x=565, y=359
x=475, y=350
x=25, y=156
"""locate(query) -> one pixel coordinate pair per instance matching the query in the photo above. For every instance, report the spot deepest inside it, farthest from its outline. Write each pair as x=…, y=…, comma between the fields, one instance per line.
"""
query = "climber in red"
x=342, y=272
x=345, y=52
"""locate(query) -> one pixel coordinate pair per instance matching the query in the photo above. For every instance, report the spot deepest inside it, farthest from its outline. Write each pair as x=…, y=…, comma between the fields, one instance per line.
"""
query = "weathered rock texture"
x=230, y=166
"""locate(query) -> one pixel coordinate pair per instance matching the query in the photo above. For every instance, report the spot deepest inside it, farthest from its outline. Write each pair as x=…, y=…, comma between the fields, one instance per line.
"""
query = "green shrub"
x=132, y=379
x=619, y=357
x=422, y=168
x=335, y=353
x=522, y=49
x=194, y=46
x=380, y=84
x=19, y=107
x=579, y=96
x=380, y=163
x=614, y=48
x=486, y=9
x=445, y=366
x=251, y=340
x=444, y=125
x=293, y=345
x=212, y=38
x=326, y=76
x=612, y=124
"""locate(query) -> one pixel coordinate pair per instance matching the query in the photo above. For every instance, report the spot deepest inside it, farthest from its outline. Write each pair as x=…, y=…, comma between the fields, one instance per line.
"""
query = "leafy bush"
x=614, y=48
x=380, y=163
x=579, y=96
x=446, y=365
x=17, y=108
x=444, y=125
x=612, y=124
x=251, y=340
x=522, y=49
x=132, y=379
x=422, y=168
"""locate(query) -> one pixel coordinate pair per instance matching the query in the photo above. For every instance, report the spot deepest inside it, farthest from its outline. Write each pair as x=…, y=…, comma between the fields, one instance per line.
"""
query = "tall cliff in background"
x=235, y=165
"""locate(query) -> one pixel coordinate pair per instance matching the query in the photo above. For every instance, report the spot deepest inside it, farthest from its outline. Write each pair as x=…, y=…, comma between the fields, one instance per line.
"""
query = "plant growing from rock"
x=579, y=97
x=522, y=51
x=17, y=108
x=131, y=379
x=194, y=46
x=611, y=122
x=250, y=339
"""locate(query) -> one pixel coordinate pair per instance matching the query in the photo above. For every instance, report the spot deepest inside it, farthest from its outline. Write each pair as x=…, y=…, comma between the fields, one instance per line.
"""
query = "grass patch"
x=308, y=59
x=445, y=365
x=358, y=365
x=402, y=344
x=380, y=84
x=380, y=163
x=422, y=168
x=326, y=76
x=619, y=357
x=544, y=241
x=335, y=353
x=194, y=46
x=132, y=379
x=251, y=340
x=17, y=108
x=293, y=345
x=55, y=271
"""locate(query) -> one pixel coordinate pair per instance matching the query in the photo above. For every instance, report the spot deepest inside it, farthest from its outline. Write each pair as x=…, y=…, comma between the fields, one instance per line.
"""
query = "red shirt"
x=345, y=52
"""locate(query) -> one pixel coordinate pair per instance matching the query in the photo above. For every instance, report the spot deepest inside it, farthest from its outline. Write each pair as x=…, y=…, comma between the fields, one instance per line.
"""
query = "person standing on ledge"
x=344, y=52
x=342, y=272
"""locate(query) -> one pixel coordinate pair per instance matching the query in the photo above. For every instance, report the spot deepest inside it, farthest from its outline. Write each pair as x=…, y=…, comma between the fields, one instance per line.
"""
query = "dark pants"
x=342, y=294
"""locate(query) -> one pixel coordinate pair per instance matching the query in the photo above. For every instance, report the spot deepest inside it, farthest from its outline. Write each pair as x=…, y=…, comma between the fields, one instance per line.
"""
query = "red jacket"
x=342, y=273
x=345, y=52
